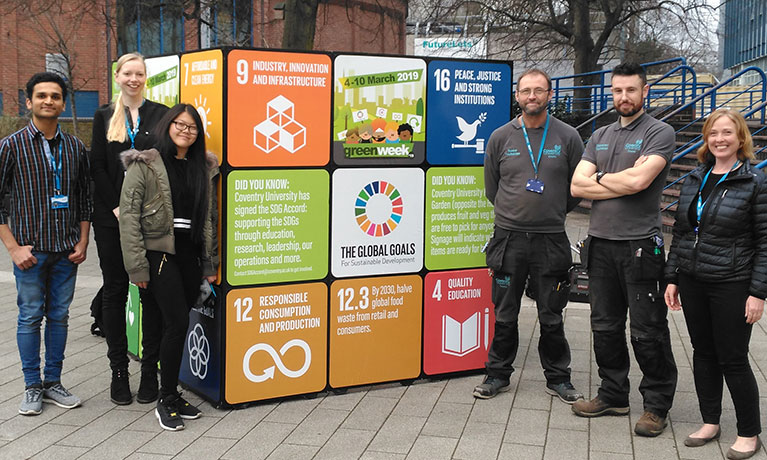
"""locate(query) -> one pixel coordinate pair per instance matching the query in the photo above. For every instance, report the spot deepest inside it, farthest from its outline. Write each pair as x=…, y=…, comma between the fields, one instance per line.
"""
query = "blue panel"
x=87, y=103
x=201, y=363
x=466, y=102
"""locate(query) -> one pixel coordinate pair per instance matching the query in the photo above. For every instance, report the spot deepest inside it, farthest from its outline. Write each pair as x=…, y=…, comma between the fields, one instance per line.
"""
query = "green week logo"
x=378, y=151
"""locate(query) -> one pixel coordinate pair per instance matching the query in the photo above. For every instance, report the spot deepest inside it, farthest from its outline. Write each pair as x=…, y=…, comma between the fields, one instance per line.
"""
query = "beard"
x=536, y=111
x=633, y=110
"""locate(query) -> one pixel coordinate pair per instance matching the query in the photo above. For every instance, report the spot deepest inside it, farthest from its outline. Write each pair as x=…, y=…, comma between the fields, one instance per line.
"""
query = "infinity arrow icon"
x=268, y=373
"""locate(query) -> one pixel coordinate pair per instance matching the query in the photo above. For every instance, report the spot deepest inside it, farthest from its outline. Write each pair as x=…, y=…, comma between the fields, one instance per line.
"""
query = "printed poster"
x=375, y=330
x=459, y=219
x=162, y=82
x=467, y=101
x=458, y=322
x=377, y=221
x=277, y=226
x=379, y=110
x=278, y=109
x=202, y=76
x=276, y=341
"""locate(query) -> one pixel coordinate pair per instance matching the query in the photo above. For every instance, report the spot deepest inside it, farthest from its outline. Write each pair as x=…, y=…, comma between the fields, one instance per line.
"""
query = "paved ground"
x=431, y=419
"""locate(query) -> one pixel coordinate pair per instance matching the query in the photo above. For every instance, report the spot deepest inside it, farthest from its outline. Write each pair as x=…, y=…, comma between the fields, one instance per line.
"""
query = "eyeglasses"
x=181, y=127
x=537, y=91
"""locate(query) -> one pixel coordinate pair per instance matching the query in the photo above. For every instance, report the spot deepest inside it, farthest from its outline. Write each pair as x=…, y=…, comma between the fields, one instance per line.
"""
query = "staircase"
x=688, y=134
x=678, y=99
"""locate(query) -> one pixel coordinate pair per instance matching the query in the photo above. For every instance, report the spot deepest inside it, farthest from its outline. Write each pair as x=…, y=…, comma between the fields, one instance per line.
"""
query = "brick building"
x=40, y=34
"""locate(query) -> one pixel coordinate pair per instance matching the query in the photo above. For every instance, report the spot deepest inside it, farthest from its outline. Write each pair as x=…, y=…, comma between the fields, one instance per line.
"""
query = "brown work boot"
x=596, y=407
x=650, y=425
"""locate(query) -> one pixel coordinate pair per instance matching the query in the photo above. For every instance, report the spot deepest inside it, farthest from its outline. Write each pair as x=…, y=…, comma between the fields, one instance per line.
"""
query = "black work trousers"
x=714, y=313
x=546, y=259
x=114, y=296
x=174, y=284
x=626, y=276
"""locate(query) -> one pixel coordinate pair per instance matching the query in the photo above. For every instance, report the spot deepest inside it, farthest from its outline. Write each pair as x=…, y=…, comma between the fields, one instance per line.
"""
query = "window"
x=150, y=26
x=229, y=22
x=56, y=63
x=87, y=102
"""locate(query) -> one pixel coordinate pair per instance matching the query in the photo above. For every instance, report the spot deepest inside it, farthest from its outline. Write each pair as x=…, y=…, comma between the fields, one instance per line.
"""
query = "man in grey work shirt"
x=624, y=171
x=528, y=167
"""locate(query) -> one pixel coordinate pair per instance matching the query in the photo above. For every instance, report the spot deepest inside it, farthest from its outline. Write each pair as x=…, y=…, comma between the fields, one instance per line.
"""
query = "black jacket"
x=731, y=244
x=106, y=168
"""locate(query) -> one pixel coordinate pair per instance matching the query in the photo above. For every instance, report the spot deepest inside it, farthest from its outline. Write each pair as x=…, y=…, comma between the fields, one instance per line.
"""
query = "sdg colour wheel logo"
x=378, y=209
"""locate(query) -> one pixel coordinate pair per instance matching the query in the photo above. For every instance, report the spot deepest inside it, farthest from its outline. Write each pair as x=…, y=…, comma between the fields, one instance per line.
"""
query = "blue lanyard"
x=530, y=148
x=52, y=161
x=701, y=203
x=132, y=132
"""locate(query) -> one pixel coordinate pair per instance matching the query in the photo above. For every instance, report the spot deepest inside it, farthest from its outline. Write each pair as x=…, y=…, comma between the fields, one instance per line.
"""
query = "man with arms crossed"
x=528, y=167
x=46, y=234
x=624, y=170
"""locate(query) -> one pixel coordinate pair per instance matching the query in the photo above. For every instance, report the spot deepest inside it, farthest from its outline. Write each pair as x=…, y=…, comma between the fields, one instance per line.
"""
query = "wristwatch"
x=600, y=175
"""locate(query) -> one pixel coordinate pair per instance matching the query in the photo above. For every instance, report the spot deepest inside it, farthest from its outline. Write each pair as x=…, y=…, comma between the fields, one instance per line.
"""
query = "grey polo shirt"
x=614, y=148
x=508, y=168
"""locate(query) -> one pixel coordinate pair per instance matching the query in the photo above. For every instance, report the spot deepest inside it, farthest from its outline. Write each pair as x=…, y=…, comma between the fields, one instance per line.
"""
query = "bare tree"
x=58, y=26
x=300, y=23
x=586, y=29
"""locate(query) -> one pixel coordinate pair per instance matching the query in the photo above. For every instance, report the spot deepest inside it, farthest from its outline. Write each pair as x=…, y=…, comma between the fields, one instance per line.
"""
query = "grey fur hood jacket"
x=146, y=214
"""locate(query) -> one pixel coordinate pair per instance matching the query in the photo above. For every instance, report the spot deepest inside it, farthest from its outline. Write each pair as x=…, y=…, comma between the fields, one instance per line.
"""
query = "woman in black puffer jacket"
x=718, y=265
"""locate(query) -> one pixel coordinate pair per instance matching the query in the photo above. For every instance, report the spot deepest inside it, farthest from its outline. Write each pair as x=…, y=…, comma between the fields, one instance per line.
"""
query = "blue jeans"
x=45, y=289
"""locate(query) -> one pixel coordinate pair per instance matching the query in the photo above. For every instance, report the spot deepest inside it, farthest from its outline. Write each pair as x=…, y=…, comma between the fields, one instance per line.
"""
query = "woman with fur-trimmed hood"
x=168, y=238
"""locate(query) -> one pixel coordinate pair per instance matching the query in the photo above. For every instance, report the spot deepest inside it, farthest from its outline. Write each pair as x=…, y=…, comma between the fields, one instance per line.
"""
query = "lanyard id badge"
x=58, y=200
x=701, y=204
x=132, y=132
x=535, y=184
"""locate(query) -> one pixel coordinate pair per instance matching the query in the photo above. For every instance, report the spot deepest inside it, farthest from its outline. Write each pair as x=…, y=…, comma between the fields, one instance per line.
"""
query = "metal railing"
x=695, y=143
x=661, y=90
x=599, y=93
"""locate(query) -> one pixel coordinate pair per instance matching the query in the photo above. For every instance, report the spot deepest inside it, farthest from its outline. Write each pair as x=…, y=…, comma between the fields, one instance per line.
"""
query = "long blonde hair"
x=117, y=131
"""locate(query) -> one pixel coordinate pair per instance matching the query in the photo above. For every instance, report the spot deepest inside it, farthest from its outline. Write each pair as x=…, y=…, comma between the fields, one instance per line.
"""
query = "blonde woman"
x=127, y=123
x=718, y=266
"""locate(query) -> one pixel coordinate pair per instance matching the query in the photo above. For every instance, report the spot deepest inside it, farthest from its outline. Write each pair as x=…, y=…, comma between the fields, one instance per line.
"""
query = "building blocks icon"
x=280, y=129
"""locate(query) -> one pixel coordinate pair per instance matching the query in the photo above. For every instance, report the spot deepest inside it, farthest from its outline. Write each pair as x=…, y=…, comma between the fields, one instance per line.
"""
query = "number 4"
x=437, y=294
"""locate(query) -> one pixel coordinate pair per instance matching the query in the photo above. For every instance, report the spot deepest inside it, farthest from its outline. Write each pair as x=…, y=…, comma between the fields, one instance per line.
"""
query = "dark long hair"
x=197, y=173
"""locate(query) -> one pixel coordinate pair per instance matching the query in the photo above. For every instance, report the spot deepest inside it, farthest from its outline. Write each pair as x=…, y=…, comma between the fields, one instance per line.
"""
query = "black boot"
x=148, y=388
x=119, y=390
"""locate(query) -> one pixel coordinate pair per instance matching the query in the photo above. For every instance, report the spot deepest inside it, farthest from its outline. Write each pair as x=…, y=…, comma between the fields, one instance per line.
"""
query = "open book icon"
x=460, y=339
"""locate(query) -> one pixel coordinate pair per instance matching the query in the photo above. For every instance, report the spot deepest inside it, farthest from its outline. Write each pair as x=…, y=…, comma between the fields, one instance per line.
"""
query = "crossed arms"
x=613, y=185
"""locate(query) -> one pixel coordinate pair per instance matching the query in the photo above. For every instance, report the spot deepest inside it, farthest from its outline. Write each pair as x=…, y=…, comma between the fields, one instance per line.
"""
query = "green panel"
x=277, y=226
x=459, y=219
x=133, y=321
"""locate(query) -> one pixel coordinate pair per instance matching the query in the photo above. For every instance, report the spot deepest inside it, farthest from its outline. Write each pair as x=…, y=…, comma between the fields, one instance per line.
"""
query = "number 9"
x=242, y=71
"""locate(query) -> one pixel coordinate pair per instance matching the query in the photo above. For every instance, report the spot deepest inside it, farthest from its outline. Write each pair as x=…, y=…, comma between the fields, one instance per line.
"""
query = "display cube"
x=282, y=108
x=292, y=136
x=266, y=136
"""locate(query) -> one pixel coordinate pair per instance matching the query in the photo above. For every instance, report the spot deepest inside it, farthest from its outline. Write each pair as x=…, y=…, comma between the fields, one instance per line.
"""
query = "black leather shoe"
x=148, y=389
x=119, y=390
